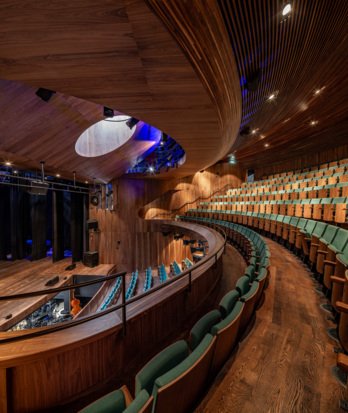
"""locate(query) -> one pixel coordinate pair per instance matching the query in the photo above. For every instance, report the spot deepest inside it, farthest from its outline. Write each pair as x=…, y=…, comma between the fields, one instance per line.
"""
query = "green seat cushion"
x=242, y=285
x=203, y=326
x=343, y=259
x=250, y=272
x=228, y=301
x=113, y=402
x=186, y=364
x=262, y=274
x=254, y=287
x=230, y=317
x=160, y=364
x=138, y=402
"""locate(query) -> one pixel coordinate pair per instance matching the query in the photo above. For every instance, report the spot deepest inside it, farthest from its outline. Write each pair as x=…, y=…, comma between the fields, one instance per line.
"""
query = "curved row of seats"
x=326, y=209
x=132, y=286
x=162, y=273
x=176, y=268
x=148, y=279
x=174, y=380
x=112, y=295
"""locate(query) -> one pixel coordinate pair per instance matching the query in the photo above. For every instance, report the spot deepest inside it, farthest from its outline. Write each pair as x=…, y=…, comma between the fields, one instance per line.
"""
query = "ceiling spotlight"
x=86, y=182
x=286, y=9
x=262, y=136
x=151, y=169
x=15, y=172
x=58, y=175
x=272, y=97
x=161, y=143
x=44, y=94
x=313, y=122
x=266, y=145
x=8, y=163
x=254, y=131
x=132, y=122
x=108, y=113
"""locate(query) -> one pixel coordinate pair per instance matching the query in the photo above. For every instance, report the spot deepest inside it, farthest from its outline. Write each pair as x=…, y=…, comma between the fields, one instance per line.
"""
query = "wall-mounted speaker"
x=94, y=199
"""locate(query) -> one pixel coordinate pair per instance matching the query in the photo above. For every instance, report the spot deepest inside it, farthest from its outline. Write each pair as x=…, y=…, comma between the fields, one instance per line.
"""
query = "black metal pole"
x=124, y=315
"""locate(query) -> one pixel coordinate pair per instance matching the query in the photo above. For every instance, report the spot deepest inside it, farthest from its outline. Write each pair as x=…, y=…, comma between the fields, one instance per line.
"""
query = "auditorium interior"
x=173, y=206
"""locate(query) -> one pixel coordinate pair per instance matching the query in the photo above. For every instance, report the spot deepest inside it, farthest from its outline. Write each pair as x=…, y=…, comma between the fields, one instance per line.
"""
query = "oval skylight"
x=104, y=137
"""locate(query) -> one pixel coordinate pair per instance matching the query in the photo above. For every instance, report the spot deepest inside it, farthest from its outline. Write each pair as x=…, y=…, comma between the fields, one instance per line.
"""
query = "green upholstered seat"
x=138, y=402
x=183, y=366
x=164, y=361
x=242, y=285
x=339, y=242
x=238, y=307
x=250, y=272
x=202, y=327
x=228, y=302
x=262, y=274
x=252, y=290
x=113, y=402
x=319, y=229
x=309, y=227
x=329, y=234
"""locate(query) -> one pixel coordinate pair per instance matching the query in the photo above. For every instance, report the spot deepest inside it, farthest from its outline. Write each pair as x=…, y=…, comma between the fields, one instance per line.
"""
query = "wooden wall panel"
x=128, y=240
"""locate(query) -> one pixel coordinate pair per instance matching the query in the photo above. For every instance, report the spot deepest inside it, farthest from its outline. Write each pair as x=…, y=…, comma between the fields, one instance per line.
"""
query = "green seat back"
x=319, y=229
x=329, y=233
x=202, y=327
x=228, y=302
x=137, y=403
x=164, y=361
x=230, y=317
x=113, y=402
x=242, y=285
x=254, y=287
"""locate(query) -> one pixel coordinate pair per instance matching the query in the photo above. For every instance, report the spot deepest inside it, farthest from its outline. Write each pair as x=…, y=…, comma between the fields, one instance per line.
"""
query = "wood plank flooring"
x=284, y=364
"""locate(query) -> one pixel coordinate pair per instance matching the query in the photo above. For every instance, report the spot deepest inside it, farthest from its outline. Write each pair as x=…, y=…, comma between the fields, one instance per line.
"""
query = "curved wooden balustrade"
x=52, y=369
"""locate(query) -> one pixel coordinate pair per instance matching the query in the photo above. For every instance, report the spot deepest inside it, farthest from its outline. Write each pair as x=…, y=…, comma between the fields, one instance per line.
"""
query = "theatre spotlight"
x=108, y=113
x=44, y=94
x=132, y=122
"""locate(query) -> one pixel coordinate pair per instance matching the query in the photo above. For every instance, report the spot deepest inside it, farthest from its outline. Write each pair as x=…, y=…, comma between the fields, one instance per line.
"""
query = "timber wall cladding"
x=131, y=242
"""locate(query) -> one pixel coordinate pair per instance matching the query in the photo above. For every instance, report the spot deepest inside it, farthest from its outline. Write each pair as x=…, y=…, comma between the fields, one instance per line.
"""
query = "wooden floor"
x=27, y=276
x=284, y=364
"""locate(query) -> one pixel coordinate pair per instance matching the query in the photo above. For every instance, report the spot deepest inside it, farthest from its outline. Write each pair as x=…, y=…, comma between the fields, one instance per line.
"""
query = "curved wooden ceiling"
x=119, y=54
x=295, y=57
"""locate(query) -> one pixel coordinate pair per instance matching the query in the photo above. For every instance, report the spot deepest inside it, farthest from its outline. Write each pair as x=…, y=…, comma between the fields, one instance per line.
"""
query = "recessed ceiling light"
x=8, y=163
x=15, y=172
x=151, y=169
x=262, y=136
x=286, y=9
x=272, y=96
x=86, y=182
x=266, y=145
x=58, y=175
x=254, y=131
x=313, y=122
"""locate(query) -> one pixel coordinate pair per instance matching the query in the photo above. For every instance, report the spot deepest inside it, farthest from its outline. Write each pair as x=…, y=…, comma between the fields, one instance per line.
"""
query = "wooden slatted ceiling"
x=119, y=54
x=296, y=56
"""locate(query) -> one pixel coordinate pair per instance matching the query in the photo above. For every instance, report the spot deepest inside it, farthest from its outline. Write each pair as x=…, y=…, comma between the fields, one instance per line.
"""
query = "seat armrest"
x=314, y=245
x=127, y=396
x=322, y=252
x=337, y=280
x=342, y=307
x=327, y=262
x=342, y=362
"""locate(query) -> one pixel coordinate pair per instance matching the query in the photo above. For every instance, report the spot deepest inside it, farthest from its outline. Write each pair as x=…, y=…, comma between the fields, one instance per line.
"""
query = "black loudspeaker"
x=91, y=258
x=92, y=224
x=94, y=200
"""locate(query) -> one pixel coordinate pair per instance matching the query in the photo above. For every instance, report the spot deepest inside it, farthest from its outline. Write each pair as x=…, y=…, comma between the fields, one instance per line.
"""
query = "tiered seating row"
x=133, y=283
x=112, y=295
x=148, y=279
x=176, y=377
x=326, y=209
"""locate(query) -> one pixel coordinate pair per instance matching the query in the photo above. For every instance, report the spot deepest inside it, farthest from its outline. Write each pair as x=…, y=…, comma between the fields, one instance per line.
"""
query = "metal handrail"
x=47, y=330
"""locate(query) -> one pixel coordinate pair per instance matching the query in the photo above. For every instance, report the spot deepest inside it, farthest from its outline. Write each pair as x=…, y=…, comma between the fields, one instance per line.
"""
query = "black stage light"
x=44, y=94
x=132, y=122
x=108, y=113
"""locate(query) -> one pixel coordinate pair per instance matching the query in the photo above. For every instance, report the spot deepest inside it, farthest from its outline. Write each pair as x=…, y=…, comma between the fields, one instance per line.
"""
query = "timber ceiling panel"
x=119, y=54
x=295, y=57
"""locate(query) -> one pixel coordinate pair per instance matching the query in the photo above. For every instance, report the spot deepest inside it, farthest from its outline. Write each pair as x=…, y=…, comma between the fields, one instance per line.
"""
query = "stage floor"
x=26, y=276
